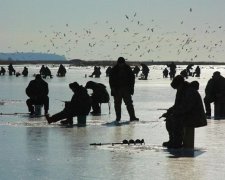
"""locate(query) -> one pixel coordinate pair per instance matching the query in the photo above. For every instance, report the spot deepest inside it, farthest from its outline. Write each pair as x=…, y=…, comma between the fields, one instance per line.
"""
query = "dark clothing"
x=108, y=70
x=11, y=69
x=99, y=95
x=97, y=72
x=189, y=107
x=184, y=73
x=145, y=71
x=61, y=71
x=188, y=111
x=37, y=90
x=165, y=73
x=209, y=96
x=25, y=71
x=2, y=71
x=79, y=105
x=197, y=72
x=172, y=72
x=136, y=70
x=219, y=90
x=121, y=77
x=121, y=81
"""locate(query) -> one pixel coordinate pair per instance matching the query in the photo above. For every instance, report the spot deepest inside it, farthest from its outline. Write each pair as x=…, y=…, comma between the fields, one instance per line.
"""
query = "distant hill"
x=31, y=56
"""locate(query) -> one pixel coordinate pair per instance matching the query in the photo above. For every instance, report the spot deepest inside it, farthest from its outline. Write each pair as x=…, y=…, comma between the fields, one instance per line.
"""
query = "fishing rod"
x=12, y=113
x=128, y=142
x=60, y=100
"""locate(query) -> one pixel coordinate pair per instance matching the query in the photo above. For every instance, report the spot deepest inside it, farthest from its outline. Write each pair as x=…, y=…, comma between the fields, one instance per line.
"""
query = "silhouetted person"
x=47, y=72
x=187, y=112
x=184, y=73
x=42, y=70
x=18, y=74
x=197, y=72
x=218, y=93
x=188, y=68
x=97, y=72
x=61, y=71
x=121, y=81
x=145, y=71
x=108, y=70
x=37, y=91
x=172, y=72
x=165, y=73
x=79, y=105
x=2, y=71
x=99, y=95
x=11, y=69
x=209, y=96
x=25, y=71
x=136, y=70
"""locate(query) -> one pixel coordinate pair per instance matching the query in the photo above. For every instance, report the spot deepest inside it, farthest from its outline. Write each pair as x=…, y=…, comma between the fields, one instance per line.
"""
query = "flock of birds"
x=133, y=39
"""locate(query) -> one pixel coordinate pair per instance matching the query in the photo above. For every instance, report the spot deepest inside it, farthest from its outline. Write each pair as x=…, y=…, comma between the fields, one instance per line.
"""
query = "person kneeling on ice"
x=187, y=112
x=79, y=105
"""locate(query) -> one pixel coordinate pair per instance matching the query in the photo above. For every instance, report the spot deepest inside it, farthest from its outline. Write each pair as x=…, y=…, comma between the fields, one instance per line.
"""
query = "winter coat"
x=121, y=77
x=189, y=107
x=80, y=103
x=100, y=93
x=37, y=89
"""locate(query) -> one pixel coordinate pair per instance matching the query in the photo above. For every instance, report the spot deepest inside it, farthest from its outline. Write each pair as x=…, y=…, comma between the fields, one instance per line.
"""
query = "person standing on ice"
x=121, y=81
x=187, y=112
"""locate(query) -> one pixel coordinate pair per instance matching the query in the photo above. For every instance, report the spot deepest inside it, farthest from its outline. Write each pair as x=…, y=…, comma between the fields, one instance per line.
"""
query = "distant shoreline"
x=78, y=62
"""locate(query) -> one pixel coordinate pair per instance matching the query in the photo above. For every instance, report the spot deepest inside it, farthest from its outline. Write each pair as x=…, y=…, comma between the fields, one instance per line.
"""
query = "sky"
x=139, y=30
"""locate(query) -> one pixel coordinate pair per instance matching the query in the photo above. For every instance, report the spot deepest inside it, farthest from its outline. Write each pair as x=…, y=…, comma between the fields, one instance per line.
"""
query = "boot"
x=131, y=113
x=68, y=121
x=49, y=119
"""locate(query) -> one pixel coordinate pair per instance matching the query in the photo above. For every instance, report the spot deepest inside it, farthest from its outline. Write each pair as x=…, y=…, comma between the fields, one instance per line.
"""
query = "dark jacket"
x=80, y=103
x=189, y=107
x=100, y=93
x=121, y=77
x=37, y=89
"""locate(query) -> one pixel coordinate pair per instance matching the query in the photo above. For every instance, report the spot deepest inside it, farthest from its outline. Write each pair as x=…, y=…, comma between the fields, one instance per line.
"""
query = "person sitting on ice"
x=99, y=95
x=2, y=71
x=47, y=72
x=25, y=71
x=97, y=72
x=61, y=71
x=79, y=105
x=187, y=112
x=37, y=91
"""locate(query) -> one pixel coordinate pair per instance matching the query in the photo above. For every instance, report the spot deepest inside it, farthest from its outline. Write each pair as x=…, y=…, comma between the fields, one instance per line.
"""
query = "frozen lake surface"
x=32, y=149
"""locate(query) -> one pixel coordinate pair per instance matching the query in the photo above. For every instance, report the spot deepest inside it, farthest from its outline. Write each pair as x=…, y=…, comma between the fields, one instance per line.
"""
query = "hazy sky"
x=105, y=29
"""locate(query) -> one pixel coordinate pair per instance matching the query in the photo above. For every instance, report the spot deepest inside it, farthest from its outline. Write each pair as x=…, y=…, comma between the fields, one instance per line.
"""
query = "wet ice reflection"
x=32, y=149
